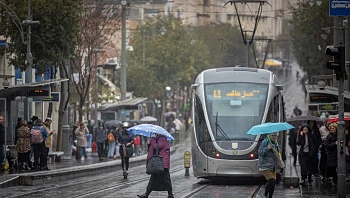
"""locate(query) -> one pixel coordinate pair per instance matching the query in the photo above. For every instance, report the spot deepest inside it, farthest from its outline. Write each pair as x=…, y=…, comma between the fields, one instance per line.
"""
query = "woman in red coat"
x=159, y=182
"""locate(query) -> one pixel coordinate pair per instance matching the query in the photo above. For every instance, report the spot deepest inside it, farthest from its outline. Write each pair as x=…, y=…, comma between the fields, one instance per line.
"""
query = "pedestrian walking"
x=267, y=162
x=2, y=143
x=308, y=155
x=324, y=131
x=80, y=133
x=331, y=146
x=100, y=137
x=159, y=182
x=125, y=142
x=23, y=146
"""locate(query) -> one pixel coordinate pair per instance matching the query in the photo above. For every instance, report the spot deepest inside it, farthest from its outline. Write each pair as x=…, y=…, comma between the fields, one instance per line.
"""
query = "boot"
x=143, y=196
x=170, y=195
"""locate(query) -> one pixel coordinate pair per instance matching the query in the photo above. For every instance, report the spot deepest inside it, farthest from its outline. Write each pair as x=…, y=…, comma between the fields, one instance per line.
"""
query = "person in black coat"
x=308, y=158
x=331, y=146
x=125, y=141
x=292, y=141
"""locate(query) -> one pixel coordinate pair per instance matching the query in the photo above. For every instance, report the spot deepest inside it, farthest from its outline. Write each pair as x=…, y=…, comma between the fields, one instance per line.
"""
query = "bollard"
x=66, y=143
x=187, y=163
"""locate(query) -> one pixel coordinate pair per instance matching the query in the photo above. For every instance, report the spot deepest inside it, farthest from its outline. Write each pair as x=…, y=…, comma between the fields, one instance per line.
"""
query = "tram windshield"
x=235, y=108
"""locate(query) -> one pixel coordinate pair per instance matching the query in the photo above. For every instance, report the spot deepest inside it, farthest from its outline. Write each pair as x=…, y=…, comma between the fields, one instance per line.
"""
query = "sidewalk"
x=68, y=169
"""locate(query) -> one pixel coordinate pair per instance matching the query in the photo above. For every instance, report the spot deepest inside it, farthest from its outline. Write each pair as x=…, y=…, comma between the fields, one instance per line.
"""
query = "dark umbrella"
x=133, y=122
x=112, y=124
x=298, y=120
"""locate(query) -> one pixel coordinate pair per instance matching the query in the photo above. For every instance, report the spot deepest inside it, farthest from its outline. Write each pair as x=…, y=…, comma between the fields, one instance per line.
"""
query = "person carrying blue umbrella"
x=269, y=152
x=267, y=162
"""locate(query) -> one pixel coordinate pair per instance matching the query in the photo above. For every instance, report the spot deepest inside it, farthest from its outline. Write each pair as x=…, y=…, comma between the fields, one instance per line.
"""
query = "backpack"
x=111, y=137
x=36, y=136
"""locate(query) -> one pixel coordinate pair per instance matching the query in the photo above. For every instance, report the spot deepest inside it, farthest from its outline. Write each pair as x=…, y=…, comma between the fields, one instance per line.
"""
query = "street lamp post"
x=28, y=22
x=123, y=63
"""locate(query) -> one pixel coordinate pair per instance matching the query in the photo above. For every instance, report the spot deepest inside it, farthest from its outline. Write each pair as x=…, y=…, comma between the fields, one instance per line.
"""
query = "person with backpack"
x=112, y=139
x=38, y=136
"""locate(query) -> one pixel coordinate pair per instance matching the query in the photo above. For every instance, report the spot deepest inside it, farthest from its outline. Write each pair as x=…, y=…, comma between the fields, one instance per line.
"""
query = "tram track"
x=76, y=184
x=253, y=193
x=119, y=185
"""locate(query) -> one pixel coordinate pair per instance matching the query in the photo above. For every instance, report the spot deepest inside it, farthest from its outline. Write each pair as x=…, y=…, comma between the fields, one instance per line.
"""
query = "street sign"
x=339, y=8
x=55, y=97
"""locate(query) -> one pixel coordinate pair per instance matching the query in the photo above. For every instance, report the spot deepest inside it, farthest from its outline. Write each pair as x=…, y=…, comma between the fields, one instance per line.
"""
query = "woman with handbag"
x=269, y=160
x=159, y=146
x=125, y=142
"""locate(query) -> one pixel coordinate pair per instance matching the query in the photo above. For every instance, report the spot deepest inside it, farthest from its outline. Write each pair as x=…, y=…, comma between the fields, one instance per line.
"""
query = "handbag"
x=155, y=164
x=129, y=151
x=278, y=157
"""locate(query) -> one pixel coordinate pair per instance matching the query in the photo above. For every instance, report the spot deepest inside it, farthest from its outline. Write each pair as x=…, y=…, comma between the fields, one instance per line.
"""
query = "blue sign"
x=339, y=8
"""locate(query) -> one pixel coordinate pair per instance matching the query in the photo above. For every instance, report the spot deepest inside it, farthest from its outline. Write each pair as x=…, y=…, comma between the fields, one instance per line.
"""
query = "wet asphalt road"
x=113, y=184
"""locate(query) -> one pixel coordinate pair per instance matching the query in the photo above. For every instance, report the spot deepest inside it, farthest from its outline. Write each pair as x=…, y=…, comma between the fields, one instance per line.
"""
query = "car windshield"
x=235, y=108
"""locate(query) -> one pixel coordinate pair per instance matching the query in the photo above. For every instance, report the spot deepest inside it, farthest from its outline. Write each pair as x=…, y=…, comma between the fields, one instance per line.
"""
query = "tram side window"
x=272, y=114
x=201, y=127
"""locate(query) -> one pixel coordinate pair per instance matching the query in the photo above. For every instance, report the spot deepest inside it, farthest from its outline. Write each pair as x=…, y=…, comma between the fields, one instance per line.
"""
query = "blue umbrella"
x=269, y=127
x=148, y=129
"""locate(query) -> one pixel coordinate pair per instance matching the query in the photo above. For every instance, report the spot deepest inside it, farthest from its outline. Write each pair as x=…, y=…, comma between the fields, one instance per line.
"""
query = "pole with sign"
x=340, y=9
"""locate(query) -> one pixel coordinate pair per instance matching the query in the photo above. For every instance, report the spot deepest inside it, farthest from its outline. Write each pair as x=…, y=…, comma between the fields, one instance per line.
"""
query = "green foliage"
x=177, y=57
x=173, y=58
x=308, y=25
x=52, y=41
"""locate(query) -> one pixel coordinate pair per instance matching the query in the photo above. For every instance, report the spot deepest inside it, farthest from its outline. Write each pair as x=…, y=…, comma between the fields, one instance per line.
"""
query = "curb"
x=43, y=177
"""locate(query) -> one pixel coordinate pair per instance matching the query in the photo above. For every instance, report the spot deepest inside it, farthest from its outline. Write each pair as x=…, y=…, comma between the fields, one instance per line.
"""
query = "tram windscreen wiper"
x=217, y=126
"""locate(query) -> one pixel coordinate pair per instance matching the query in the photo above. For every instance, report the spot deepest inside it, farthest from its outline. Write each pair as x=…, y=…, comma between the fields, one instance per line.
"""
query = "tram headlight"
x=217, y=155
x=252, y=155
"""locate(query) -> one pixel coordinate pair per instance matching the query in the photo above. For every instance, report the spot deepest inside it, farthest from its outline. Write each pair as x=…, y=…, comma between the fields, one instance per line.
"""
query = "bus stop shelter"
x=15, y=102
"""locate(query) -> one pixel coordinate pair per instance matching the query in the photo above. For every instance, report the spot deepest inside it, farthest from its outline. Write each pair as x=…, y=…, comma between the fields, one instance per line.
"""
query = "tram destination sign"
x=339, y=8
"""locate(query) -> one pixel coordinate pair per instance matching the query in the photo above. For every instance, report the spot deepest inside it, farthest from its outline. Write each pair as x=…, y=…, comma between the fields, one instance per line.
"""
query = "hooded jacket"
x=100, y=135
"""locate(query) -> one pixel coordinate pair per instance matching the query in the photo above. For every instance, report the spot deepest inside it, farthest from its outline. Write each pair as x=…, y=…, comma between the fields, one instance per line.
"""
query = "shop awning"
x=123, y=104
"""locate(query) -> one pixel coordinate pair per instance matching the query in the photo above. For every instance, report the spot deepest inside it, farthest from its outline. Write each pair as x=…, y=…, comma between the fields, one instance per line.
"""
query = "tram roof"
x=237, y=74
x=326, y=90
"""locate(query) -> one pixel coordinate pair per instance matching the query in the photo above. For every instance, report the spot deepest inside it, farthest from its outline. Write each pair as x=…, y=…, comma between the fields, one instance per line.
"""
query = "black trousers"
x=100, y=147
x=23, y=157
x=40, y=152
x=125, y=162
x=323, y=164
x=294, y=153
x=332, y=172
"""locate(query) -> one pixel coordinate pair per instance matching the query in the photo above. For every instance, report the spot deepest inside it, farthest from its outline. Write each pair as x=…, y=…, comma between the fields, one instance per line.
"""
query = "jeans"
x=2, y=154
x=111, y=149
x=89, y=140
x=82, y=152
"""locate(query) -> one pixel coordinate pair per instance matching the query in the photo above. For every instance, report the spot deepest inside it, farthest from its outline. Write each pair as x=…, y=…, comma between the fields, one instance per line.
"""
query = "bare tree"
x=99, y=23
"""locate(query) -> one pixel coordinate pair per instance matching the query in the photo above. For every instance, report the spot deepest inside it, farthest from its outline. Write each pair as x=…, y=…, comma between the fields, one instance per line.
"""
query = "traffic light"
x=338, y=63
